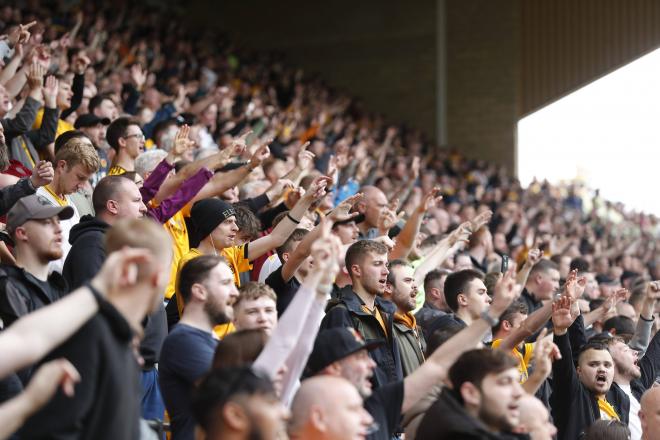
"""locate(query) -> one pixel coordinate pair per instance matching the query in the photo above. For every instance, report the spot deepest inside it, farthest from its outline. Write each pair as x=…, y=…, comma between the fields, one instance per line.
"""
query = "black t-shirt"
x=285, y=291
x=384, y=405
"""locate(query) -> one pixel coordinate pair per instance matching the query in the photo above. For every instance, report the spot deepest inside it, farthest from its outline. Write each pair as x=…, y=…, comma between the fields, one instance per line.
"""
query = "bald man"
x=535, y=419
x=328, y=408
x=370, y=206
x=649, y=414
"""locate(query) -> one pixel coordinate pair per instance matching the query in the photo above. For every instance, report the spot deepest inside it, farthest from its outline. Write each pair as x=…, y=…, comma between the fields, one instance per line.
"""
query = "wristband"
x=644, y=319
x=292, y=219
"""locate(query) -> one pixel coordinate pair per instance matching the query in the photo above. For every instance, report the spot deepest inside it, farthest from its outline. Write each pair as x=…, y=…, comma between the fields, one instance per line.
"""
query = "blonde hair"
x=253, y=290
x=79, y=151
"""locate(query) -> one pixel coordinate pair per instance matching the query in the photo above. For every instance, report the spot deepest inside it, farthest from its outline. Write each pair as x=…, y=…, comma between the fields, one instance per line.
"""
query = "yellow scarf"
x=608, y=409
x=60, y=201
x=407, y=319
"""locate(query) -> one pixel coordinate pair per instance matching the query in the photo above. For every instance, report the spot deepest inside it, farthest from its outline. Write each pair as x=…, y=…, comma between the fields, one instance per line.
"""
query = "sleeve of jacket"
x=78, y=88
x=132, y=99
x=152, y=183
x=640, y=340
x=577, y=336
x=23, y=121
x=9, y=195
x=565, y=380
x=46, y=133
x=181, y=197
x=338, y=316
x=650, y=363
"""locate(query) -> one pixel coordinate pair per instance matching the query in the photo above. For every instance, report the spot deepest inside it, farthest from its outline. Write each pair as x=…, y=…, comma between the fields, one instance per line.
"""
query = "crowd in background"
x=201, y=241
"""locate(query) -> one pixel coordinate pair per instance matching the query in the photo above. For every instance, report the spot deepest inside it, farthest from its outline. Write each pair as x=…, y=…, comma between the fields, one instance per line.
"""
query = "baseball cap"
x=205, y=216
x=90, y=120
x=34, y=207
x=335, y=344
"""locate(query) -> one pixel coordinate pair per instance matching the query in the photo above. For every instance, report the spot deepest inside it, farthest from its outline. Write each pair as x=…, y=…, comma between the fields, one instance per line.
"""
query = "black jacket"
x=446, y=419
x=11, y=194
x=426, y=315
x=87, y=252
x=574, y=407
x=106, y=404
x=21, y=293
x=347, y=312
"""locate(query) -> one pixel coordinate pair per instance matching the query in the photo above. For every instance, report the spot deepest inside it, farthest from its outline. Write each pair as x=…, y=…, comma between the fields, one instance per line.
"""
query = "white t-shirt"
x=633, y=416
x=66, y=225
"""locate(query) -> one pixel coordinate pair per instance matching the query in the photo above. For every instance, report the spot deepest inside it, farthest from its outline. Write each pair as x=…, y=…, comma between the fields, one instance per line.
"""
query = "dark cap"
x=90, y=120
x=335, y=344
x=35, y=207
x=205, y=216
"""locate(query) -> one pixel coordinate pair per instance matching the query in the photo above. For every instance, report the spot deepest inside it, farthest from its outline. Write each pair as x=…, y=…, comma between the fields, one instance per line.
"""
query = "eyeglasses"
x=138, y=136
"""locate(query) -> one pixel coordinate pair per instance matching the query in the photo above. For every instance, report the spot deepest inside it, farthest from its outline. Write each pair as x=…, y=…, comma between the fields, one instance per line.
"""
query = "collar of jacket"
x=55, y=279
x=354, y=303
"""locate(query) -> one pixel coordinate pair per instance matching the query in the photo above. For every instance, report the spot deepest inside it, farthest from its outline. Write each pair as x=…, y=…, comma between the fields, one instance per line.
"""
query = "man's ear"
x=121, y=143
x=462, y=300
x=198, y=292
x=355, y=270
x=234, y=417
x=435, y=293
x=112, y=206
x=285, y=257
x=470, y=394
x=506, y=325
x=20, y=234
x=61, y=165
x=318, y=419
x=389, y=288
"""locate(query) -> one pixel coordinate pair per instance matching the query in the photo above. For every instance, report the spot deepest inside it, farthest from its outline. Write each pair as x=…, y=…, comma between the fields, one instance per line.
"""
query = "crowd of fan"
x=202, y=242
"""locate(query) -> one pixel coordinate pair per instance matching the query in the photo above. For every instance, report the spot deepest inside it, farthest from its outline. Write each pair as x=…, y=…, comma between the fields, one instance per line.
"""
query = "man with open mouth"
x=583, y=394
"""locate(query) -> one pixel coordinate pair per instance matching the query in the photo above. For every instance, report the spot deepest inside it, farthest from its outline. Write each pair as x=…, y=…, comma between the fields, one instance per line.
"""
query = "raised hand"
x=48, y=378
x=533, y=257
x=545, y=352
x=461, y=234
x=430, y=200
x=49, y=90
x=238, y=145
x=325, y=251
x=481, y=220
x=342, y=211
x=262, y=153
x=507, y=290
x=562, y=318
x=35, y=76
x=414, y=168
x=138, y=76
x=182, y=141
x=42, y=174
x=575, y=286
x=386, y=220
x=305, y=158
x=21, y=34
x=653, y=290
x=317, y=189
x=120, y=269
x=278, y=188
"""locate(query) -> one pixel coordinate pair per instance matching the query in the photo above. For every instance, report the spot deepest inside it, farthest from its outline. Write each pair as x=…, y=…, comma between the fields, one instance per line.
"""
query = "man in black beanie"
x=213, y=231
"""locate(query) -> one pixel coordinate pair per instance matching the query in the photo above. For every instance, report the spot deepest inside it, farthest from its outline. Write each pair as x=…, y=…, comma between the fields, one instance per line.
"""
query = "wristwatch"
x=489, y=319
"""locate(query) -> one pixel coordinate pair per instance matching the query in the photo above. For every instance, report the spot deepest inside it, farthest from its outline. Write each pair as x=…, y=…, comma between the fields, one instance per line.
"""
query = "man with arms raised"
x=106, y=404
x=207, y=288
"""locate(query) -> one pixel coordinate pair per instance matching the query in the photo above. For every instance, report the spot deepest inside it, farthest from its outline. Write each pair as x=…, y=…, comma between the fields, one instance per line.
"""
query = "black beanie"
x=205, y=216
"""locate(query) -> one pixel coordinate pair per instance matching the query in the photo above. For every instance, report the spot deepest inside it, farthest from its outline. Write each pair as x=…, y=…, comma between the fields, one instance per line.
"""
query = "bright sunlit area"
x=606, y=134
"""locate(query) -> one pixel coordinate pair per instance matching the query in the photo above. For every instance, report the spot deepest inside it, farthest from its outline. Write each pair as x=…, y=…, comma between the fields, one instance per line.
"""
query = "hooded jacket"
x=87, y=252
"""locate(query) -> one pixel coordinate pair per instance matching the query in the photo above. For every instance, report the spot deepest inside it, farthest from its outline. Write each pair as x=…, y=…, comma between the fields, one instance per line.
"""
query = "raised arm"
x=406, y=239
x=640, y=339
x=442, y=251
x=34, y=335
x=285, y=227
